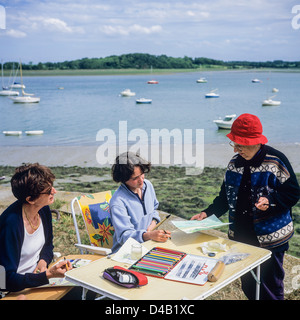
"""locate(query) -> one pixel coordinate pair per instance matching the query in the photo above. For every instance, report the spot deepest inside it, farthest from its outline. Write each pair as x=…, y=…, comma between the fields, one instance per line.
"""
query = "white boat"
x=17, y=85
x=275, y=90
x=256, y=80
x=12, y=133
x=225, y=123
x=25, y=97
x=6, y=92
x=270, y=102
x=212, y=94
x=127, y=93
x=201, y=80
x=34, y=132
x=144, y=100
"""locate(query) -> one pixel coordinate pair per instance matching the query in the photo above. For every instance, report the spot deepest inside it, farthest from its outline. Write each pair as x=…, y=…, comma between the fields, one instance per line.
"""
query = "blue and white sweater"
x=130, y=215
x=271, y=176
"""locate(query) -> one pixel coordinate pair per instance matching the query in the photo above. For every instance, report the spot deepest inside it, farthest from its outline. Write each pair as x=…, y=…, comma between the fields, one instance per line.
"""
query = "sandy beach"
x=85, y=156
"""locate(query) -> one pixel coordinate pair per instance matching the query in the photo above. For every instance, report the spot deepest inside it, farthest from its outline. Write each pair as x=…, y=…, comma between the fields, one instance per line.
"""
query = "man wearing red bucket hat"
x=259, y=190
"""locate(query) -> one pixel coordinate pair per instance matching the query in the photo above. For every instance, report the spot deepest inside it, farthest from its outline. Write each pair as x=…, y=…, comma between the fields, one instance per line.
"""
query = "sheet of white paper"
x=190, y=226
x=192, y=269
x=124, y=253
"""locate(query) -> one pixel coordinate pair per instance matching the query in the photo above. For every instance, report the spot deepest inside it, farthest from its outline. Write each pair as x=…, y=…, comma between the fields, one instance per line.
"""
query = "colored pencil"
x=148, y=270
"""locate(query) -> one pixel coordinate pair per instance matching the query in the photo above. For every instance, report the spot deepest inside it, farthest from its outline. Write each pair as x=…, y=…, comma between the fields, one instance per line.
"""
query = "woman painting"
x=26, y=236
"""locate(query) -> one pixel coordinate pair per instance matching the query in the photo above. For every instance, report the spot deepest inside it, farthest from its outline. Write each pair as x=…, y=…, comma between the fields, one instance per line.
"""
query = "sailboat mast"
x=2, y=74
x=21, y=78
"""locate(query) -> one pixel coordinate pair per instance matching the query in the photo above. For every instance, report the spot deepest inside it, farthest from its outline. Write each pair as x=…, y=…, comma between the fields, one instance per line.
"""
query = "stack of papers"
x=191, y=226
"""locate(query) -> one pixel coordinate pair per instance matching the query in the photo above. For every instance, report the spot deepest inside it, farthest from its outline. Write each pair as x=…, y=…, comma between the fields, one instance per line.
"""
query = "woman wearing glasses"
x=259, y=190
x=26, y=246
x=133, y=207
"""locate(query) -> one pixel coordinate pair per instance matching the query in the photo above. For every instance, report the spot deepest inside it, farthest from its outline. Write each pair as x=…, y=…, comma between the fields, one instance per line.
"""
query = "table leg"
x=257, y=279
x=257, y=283
x=84, y=291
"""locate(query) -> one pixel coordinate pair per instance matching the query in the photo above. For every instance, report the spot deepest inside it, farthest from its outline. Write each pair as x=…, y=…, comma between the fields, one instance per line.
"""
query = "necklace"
x=31, y=224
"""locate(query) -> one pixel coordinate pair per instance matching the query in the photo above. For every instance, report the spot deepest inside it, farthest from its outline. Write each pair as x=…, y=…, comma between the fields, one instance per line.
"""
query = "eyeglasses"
x=48, y=192
x=137, y=177
x=237, y=146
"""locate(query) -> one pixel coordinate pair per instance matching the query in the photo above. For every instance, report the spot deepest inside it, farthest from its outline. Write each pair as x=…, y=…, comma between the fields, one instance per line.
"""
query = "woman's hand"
x=200, y=216
x=157, y=235
x=262, y=204
x=41, y=266
x=59, y=269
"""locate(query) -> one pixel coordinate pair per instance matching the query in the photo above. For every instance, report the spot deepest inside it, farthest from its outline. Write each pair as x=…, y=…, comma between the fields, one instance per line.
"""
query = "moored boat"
x=127, y=93
x=25, y=99
x=6, y=92
x=270, y=102
x=152, y=82
x=225, y=123
x=212, y=94
x=201, y=80
x=12, y=133
x=144, y=100
x=34, y=132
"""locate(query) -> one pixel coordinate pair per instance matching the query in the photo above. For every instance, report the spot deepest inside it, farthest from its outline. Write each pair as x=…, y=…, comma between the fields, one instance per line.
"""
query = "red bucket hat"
x=247, y=130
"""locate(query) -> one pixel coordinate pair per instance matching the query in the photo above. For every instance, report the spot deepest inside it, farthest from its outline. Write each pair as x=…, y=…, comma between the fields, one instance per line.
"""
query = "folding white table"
x=90, y=277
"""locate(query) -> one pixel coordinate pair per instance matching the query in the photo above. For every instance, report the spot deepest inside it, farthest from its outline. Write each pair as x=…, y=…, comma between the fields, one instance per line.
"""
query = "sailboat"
x=26, y=97
x=212, y=94
x=152, y=81
x=270, y=102
x=6, y=91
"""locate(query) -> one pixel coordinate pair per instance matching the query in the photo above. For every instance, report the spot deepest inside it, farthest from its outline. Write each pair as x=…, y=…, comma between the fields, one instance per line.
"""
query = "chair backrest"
x=94, y=209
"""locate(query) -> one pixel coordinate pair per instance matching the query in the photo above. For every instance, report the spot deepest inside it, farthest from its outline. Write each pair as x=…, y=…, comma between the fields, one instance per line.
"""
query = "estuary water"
x=73, y=115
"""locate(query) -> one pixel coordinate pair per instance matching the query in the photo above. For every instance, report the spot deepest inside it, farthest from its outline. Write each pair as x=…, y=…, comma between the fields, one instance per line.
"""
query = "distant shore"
x=154, y=72
x=215, y=155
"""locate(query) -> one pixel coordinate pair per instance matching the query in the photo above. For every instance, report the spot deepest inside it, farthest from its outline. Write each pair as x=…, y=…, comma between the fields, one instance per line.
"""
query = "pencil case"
x=124, y=277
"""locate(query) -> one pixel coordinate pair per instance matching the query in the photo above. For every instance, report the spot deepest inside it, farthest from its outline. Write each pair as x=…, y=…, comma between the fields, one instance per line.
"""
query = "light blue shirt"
x=131, y=216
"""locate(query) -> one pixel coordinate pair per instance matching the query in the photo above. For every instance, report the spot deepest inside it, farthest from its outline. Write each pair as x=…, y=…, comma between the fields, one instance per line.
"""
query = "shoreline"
x=215, y=155
x=131, y=71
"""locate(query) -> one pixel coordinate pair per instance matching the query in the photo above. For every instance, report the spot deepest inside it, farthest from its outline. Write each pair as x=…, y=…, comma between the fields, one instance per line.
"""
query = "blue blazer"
x=11, y=240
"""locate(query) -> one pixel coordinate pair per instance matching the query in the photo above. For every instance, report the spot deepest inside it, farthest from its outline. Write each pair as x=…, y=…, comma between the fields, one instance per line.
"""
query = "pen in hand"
x=67, y=267
x=166, y=233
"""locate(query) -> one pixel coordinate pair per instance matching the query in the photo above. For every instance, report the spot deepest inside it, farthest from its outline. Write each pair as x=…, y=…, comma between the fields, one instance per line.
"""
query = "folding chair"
x=94, y=209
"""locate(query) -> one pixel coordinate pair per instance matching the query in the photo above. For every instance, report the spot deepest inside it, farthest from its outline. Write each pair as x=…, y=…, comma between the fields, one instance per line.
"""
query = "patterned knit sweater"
x=271, y=176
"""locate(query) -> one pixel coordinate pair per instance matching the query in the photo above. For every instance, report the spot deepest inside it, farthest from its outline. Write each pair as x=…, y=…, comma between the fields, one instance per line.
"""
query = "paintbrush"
x=162, y=221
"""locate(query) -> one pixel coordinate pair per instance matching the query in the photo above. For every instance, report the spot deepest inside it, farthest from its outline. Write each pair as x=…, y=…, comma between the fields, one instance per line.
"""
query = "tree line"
x=147, y=61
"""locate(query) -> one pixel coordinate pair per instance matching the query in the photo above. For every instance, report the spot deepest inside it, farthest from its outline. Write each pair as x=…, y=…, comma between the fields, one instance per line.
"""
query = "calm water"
x=87, y=104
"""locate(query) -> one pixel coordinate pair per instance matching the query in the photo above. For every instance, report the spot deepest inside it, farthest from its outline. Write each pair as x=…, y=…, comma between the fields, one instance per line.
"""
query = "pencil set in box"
x=175, y=265
x=158, y=262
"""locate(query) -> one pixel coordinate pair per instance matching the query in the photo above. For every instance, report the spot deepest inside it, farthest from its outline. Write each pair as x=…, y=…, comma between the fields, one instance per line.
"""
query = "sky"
x=60, y=30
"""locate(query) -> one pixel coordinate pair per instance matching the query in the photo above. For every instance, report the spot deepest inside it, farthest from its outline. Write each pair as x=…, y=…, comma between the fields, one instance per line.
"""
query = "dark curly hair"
x=124, y=166
x=30, y=180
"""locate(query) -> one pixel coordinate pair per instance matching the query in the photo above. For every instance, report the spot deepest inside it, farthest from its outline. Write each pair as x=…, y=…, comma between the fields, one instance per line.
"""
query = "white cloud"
x=56, y=25
x=133, y=29
x=16, y=33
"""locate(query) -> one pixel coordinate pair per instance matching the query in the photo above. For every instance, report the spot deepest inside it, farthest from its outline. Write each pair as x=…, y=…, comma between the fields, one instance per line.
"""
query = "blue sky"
x=59, y=30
